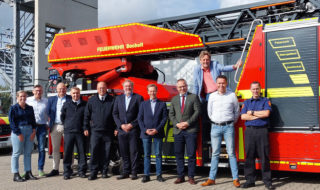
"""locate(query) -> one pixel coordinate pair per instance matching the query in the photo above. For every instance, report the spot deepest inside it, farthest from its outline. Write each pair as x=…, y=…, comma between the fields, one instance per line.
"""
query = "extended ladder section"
x=226, y=30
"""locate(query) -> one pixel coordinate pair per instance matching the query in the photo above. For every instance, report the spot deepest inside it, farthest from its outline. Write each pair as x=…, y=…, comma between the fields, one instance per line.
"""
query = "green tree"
x=6, y=99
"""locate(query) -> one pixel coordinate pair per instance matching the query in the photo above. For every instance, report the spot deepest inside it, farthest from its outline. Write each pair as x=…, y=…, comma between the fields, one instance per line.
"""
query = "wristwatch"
x=252, y=112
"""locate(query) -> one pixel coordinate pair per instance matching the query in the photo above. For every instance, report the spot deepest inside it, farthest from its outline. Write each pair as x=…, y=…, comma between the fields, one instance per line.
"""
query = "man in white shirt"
x=223, y=111
x=39, y=105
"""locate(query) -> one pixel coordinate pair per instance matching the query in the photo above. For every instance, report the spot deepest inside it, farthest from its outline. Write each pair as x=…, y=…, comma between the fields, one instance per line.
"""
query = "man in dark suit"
x=125, y=114
x=72, y=115
x=98, y=121
x=55, y=104
x=152, y=119
x=184, y=113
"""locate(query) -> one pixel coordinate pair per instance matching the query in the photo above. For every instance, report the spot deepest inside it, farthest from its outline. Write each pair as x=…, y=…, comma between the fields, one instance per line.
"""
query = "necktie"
x=102, y=98
x=182, y=105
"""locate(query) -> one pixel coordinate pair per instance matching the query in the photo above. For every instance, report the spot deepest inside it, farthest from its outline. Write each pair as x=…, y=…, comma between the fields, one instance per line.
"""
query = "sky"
x=114, y=12
x=5, y=16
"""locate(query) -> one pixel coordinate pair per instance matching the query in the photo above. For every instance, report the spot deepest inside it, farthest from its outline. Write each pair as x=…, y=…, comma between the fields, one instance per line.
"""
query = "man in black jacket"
x=99, y=113
x=125, y=115
x=72, y=114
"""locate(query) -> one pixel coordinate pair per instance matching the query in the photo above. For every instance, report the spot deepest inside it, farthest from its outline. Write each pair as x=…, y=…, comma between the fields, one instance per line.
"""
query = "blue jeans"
x=41, y=137
x=24, y=147
x=147, y=152
x=227, y=132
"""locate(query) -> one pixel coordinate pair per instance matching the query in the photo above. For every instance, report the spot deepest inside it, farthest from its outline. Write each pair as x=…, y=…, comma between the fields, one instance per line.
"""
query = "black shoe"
x=82, y=175
x=160, y=179
x=247, y=185
x=105, y=175
x=134, y=176
x=92, y=177
x=145, y=179
x=17, y=177
x=53, y=173
x=29, y=176
x=66, y=177
x=270, y=187
x=123, y=176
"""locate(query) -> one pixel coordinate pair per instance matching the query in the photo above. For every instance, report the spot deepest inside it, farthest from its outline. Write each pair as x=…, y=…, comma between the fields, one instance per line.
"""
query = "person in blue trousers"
x=40, y=105
x=223, y=111
x=152, y=118
x=23, y=131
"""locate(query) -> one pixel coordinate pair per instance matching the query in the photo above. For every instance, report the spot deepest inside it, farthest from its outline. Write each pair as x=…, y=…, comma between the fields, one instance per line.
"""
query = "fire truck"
x=5, y=132
x=281, y=43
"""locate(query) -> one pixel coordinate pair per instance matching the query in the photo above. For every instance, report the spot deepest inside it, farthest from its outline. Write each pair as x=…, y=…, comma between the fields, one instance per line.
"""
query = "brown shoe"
x=179, y=180
x=191, y=181
x=236, y=183
x=209, y=182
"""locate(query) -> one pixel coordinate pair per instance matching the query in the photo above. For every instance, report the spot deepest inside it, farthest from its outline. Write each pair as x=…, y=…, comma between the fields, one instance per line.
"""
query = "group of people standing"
x=221, y=109
x=73, y=118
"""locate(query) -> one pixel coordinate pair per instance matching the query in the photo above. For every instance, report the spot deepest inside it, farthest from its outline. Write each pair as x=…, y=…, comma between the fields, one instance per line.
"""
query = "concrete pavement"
x=282, y=180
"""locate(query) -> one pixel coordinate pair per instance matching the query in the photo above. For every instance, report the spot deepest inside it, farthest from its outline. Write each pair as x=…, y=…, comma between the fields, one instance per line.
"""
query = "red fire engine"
x=283, y=56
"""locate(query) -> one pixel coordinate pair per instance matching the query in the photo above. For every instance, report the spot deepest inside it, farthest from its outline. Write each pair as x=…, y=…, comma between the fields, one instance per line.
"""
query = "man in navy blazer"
x=55, y=104
x=125, y=114
x=152, y=119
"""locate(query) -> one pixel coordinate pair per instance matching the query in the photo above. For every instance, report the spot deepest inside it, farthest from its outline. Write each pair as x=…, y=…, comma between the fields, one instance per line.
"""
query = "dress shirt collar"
x=153, y=100
x=100, y=97
x=25, y=106
x=34, y=98
x=77, y=102
x=221, y=94
x=61, y=98
x=185, y=95
x=258, y=99
x=205, y=69
x=130, y=95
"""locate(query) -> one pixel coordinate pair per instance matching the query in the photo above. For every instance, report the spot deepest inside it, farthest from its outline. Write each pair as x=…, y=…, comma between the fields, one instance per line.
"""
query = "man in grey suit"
x=184, y=114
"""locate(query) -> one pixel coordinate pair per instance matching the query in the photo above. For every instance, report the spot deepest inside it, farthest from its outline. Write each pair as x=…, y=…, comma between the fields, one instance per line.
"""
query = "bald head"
x=102, y=88
x=61, y=89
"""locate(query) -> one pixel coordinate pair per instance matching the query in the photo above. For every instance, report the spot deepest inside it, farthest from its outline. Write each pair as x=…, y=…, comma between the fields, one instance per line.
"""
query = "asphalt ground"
x=281, y=180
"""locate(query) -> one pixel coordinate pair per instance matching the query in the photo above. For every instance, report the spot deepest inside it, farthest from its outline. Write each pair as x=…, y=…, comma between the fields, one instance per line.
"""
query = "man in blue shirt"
x=152, y=118
x=55, y=104
x=125, y=115
x=256, y=112
x=205, y=75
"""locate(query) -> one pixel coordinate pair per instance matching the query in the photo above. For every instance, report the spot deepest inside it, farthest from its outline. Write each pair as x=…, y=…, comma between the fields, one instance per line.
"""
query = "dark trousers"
x=100, y=143
x=257, y=144
x=71, y=139
x=128, y=145
x=190, y=140
x=206, y=123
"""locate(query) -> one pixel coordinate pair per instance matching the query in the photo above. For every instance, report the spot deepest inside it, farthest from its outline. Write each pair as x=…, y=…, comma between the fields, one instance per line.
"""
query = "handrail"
x=245, y=47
